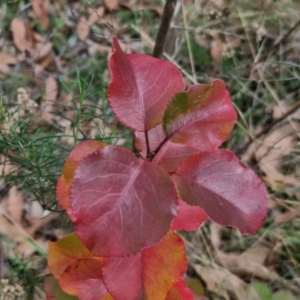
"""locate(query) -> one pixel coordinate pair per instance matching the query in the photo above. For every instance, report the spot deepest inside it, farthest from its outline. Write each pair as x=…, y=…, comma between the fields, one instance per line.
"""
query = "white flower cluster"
x=228, y=50
x=26, y=103
x=24, y=106
x=261, y=31
x=10, y=291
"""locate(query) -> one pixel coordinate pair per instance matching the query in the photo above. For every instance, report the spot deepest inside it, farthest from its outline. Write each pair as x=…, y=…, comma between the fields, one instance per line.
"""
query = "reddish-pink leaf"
x=141, y=87
x=77, y=154
x=122, y=204
x=147, y=275
x=202, y=117
x=230, y=193
x=83, y=278
x=63, y=184
x=169, y=156
x=189, y=217
x=180, y=291
x=62, y=193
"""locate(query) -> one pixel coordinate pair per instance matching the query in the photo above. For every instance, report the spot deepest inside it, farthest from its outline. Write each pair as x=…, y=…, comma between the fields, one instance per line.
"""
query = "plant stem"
x=164, y=28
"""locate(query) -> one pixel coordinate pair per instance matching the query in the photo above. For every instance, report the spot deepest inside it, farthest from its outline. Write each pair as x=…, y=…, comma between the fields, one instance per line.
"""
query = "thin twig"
x=277, y=43
x=95, y=10
x=284, y=37
x=188, y=41
x=273, y=48
x=164, y=28
x=267, y=128
x=28, y=236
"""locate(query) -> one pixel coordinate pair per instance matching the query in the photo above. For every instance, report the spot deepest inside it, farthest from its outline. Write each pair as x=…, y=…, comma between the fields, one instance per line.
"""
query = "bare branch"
x=164, y=28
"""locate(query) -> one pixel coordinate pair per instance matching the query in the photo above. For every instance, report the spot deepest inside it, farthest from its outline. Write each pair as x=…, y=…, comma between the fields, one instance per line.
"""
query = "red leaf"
x=197, y=120
x=63, y=184
x=170, y=155
x=230, y=193
x=141, y=87
x=64, y=252
x=202, y=117
x=147, y=275
x=130, y=201
x=78, y=270
x=180, y=291
x=189, y=217
x=77, y=154
x=83, y=278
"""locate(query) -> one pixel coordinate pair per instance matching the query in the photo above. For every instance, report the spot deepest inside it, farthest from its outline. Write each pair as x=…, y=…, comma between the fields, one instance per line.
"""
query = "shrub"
x=127, y=207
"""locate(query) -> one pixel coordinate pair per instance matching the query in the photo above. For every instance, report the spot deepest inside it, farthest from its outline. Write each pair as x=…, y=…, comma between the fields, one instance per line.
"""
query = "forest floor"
x=53, y=81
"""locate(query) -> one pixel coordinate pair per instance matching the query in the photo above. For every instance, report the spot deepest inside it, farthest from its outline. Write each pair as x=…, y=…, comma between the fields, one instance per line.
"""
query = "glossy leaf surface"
x=230, y=193
x=189, y=217
x=141, y=87
x=130, y=201
x=202, y=117
x=147, y=275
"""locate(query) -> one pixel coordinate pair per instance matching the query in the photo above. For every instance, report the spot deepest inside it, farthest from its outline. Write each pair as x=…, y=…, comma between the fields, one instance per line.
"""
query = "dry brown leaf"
x=40, y=8
x=5, y=61
x=280, y=142
x=12, y=230
x=19, y=225
x=111, y=4
x=94, y=15
x=51, y=91
x=215, y=235
x=286, y=216
x=83, y=28
x=274, y=203
x=279, y=110
x=18, y=29
x=257, y=253
x=202, y=41
x=216, y=48
x=221, y=4
x=15, y=204
x=37, y=223
x=48, y=61
x=38, y=38
x=249, y=264
x=41, y=50
x=222, y=282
